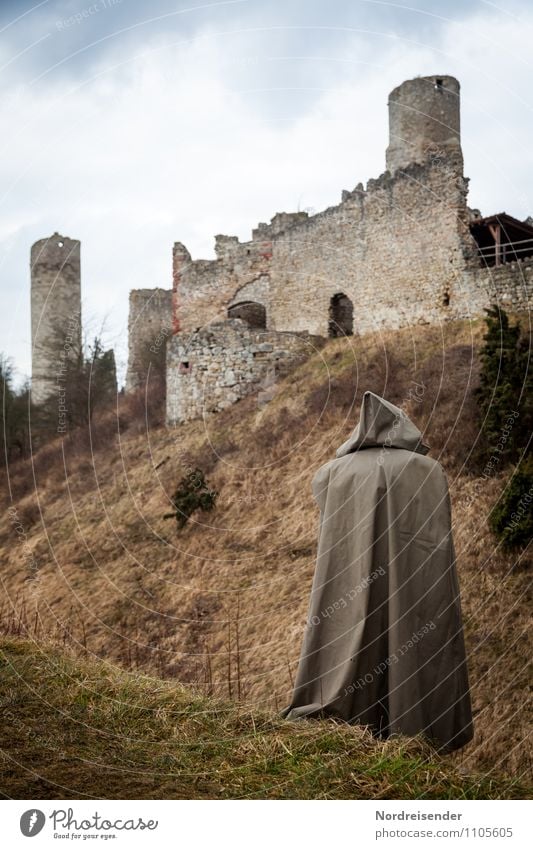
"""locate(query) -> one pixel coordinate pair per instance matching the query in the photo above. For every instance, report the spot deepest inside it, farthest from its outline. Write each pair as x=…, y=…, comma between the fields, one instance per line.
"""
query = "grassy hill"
x=77, y=729
x=90, y=563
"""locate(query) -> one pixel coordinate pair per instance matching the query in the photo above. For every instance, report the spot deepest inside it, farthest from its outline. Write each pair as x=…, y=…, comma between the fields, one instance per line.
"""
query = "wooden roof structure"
x=502, y=238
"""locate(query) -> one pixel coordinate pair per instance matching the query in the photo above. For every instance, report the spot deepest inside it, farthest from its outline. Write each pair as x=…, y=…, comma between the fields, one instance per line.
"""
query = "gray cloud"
x=70, y=37
x=214, y=119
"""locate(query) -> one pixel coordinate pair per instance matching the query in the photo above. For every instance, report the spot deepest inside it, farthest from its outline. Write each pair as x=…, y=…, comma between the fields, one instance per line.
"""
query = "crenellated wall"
x=394, y=249
x=396, y=252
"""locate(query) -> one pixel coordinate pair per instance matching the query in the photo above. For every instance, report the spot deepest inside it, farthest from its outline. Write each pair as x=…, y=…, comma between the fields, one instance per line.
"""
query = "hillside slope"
x=89, y=561
x=74, y=729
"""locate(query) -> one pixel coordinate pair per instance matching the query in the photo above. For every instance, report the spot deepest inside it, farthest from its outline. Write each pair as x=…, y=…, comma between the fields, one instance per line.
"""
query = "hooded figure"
x=383, y=644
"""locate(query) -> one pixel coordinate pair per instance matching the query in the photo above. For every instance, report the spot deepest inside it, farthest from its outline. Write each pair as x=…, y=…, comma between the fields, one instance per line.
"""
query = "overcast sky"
x=131, y=124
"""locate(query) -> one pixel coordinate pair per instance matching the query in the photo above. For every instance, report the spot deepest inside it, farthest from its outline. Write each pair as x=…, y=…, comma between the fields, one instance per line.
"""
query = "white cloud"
x=198, y=138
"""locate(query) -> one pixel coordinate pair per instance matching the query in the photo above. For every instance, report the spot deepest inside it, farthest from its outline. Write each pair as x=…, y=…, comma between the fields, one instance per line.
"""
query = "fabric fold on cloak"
x=383, y=644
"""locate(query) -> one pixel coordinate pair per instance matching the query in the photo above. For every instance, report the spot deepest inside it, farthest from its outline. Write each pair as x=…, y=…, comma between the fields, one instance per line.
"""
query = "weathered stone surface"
x=212, y=381
x=149, y=326
x=424, y=121
x=55, y=312
x=395, y=253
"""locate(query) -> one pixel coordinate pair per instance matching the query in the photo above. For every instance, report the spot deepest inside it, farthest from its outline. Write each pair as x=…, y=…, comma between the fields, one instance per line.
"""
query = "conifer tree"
x=503, y=391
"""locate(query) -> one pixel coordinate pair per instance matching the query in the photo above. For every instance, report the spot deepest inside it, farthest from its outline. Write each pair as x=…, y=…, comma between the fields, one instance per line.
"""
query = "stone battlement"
x=403, y=249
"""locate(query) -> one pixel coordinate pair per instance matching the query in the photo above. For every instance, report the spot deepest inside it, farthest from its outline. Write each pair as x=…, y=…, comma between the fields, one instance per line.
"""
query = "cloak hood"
x=383, y=424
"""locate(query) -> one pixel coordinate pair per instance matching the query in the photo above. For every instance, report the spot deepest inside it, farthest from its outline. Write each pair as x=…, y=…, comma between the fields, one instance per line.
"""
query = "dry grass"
x=116, y=580
x=77, y=729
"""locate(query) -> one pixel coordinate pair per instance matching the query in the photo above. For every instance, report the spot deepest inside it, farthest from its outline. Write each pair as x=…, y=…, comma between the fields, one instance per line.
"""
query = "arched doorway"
x=340, y=316
x=253, y=313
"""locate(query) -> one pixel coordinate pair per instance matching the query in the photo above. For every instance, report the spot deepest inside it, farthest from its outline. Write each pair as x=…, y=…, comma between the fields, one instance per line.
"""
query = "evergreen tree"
x=503, y=391
x=100, y=377
x=512, y=518
x=14, y=411
x=505, y=397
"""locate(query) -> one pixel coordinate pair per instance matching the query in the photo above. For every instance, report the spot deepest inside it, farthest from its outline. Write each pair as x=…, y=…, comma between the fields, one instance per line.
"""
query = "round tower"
x=55, y=311
x=424, y=121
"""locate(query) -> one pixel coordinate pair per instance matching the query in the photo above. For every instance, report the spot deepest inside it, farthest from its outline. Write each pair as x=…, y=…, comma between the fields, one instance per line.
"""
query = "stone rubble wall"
x=509, y=285
x=400, y=249
x=203, y=289
x=257, y=291
x=397, y=249
x=210, y=369
x=149, y=327
x=398, y=246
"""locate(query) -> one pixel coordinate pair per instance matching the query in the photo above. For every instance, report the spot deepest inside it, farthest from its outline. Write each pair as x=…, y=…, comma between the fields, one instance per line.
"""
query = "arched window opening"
x=340, y=316
x=251, y=312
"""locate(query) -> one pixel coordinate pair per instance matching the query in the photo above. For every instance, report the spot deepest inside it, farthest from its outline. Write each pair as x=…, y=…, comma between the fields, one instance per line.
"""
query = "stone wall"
x=396, y=249
x=204, y=288
x=509, y=285
x=55, y=312
x=397, y=252
x=149, y=326
x=256, y=291
x=210, y=369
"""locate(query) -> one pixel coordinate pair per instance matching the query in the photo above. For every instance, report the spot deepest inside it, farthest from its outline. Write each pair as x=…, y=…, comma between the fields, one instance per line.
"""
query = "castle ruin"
x=404, y=249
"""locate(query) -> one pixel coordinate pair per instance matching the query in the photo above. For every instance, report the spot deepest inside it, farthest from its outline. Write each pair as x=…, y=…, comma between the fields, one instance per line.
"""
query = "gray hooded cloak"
x=383, y=644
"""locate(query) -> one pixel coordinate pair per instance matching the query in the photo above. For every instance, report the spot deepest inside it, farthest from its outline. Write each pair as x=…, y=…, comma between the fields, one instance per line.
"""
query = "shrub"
x=192, y=494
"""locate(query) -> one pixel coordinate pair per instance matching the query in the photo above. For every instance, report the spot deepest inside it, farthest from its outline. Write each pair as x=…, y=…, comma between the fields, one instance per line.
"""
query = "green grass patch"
x=81, y=729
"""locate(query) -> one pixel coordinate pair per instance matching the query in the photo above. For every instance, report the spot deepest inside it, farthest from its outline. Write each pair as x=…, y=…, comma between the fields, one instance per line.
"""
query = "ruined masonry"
x=229, y=359
x=149, y=327
x=55, y=312
x=404, y=249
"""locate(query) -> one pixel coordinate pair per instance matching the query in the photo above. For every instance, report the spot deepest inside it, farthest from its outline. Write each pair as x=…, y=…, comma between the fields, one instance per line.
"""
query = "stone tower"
x=149, y=327
x=55, y=311
x=424, y=121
